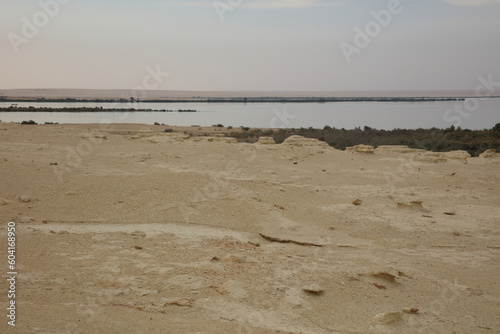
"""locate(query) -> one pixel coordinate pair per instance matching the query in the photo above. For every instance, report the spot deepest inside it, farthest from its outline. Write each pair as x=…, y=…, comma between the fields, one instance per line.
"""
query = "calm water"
x=380, y=115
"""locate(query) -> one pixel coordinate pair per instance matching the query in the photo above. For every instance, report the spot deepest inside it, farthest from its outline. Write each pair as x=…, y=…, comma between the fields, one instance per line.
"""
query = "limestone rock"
x=401, y=149
x=266, y=141
x=357, y=202
x=302, y=141
x=361, y=149
x=313, y=289
x=458, y=155
x=432, y=157
x=489, y=154
x=437, y=157
x=24, y=199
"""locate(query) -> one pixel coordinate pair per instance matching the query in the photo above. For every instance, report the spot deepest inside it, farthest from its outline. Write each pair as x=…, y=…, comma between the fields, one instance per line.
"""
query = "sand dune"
x=129, y=231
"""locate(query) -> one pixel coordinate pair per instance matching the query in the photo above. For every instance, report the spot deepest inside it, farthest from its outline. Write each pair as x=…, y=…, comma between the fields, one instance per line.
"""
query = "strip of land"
x=125, y=96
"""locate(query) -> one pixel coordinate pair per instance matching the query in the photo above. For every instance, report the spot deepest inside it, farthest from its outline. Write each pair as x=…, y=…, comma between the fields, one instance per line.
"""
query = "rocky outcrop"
x=302, y=141
x=217, y=138
x=489, y=154
x=266, y=141
x=361, y=149
x=436, y=157
x=397, y=149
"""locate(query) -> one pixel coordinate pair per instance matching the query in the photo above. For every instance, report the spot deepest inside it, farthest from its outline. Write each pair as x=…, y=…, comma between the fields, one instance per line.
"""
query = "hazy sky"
x=250, y=44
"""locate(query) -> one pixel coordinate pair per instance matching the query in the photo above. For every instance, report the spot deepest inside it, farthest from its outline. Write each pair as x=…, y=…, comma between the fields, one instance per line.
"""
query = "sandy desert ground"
x=125, y=230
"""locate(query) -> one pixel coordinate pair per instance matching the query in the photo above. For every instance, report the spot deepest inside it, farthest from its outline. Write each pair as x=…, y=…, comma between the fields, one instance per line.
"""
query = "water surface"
x=380, y=115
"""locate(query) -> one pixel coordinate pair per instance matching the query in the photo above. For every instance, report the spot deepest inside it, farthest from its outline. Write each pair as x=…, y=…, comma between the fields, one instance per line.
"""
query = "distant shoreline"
x=245, y=100
x=85, y=109
x=179, y=96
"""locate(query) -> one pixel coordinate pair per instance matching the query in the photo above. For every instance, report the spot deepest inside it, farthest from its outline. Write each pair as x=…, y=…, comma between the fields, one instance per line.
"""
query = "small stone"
x=71, y=193
x=456, y=233
x=357, y=202
x=450, y=213
x=24, y=199
x=313, y=289
x=138, y=247
x=408, y=310
x=63, y=232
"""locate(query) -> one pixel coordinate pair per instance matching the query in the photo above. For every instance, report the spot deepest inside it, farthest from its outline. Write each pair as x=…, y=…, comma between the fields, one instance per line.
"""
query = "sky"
x=256, y=45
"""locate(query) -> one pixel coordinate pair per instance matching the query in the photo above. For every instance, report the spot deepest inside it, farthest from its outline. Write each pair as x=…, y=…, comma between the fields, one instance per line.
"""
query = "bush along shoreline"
x=437, y=140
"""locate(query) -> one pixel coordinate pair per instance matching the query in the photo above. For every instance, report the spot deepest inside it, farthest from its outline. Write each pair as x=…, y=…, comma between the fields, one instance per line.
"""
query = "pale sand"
x=165, y=95
x=200, y=208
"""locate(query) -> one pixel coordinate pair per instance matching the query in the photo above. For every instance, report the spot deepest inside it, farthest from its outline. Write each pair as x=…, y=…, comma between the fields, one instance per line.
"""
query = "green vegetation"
x=85, y=109
x=473, y=141
x=30, y=122
x=277, y=99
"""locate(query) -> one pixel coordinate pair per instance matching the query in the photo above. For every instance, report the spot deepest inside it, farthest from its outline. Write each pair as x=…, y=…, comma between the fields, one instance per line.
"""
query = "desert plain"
x=126, y=229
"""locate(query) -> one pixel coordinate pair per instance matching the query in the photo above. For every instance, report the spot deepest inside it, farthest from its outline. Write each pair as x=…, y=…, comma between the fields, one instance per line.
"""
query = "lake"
x=483, y=114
